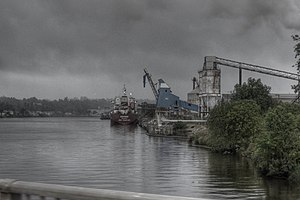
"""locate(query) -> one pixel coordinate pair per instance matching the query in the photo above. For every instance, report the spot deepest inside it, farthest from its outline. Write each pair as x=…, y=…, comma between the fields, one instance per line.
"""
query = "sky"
x=53, y=49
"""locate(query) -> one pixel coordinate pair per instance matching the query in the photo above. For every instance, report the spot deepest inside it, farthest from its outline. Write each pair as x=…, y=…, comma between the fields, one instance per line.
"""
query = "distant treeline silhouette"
x=13, y=107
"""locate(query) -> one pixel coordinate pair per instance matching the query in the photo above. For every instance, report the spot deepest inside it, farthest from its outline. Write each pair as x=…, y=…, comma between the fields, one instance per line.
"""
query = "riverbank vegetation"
x=251, y=124
x=276, y=150
x=33, y=107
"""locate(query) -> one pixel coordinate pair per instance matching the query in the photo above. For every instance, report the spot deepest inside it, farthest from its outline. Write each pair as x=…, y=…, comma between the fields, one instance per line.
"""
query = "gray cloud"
x=111, y=41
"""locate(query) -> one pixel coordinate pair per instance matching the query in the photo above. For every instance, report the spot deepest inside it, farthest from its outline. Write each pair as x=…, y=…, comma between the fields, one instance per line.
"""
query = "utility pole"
x=296, y=88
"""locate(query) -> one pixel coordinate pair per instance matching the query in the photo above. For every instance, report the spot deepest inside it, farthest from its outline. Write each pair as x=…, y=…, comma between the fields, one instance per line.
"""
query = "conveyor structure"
x=208, y=90
x=251, y=67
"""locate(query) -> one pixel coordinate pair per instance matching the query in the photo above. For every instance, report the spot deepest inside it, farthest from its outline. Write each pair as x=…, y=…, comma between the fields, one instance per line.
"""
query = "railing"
x=185, y=120
x=17, y=190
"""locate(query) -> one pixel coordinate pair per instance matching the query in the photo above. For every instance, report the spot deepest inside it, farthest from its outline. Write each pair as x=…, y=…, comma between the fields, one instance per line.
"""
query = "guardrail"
x=185, y=120
x=17, y=190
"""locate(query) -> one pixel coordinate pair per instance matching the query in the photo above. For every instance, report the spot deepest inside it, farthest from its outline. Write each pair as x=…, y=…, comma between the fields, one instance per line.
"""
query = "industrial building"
x=165, y=99
x=169, y=101
x=207, y=87
x=285, y=98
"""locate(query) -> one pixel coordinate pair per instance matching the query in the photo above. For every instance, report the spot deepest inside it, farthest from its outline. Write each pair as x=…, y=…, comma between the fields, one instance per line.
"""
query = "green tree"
x=277, y=149
x=254, y=90
x=233, y=125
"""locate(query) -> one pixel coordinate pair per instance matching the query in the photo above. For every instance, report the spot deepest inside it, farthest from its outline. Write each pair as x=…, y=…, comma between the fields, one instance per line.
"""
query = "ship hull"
x=123, y=119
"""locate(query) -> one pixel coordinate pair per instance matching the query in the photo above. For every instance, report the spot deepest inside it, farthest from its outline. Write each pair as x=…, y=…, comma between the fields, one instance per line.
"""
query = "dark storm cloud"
x=117, y=38
x=40, y=31
x=253, y=13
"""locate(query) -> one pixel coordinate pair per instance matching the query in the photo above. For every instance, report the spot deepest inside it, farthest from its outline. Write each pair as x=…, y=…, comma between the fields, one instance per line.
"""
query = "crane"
x=148, y=76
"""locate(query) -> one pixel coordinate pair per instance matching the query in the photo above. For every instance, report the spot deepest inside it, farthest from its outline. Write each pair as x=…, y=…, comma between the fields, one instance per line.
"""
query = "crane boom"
x=148, y=76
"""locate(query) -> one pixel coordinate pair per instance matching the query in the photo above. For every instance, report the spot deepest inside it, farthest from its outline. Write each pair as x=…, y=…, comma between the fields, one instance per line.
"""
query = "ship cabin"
x=124, y=100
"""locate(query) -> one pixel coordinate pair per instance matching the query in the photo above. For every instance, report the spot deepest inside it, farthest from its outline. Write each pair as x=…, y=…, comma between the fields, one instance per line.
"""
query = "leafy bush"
x=277, y=149
x=200, y=137
x=233, y=125
x=254, y=90
x=179, y=126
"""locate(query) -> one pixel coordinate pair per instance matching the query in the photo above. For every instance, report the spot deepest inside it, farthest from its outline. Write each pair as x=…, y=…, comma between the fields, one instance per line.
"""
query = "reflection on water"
x=89, y=152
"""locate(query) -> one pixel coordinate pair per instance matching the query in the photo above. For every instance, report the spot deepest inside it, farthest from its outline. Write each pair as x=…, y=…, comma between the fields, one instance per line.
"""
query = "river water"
x=89, y=152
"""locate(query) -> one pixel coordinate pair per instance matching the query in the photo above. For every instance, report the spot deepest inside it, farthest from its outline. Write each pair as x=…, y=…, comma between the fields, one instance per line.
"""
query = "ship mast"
x=124, y=90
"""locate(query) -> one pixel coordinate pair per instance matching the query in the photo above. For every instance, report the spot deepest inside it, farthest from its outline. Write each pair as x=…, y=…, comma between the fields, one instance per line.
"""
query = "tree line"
x=27, y=107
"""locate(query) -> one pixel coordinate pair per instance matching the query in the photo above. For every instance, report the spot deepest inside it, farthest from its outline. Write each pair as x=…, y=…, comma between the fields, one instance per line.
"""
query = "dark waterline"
x=88, y=152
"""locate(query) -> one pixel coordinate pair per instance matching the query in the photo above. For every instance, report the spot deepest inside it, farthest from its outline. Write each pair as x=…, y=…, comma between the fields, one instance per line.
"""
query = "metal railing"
x=17, y=190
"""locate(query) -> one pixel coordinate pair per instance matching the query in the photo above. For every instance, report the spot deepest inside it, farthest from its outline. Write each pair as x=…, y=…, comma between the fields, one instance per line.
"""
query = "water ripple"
x=88, y=152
